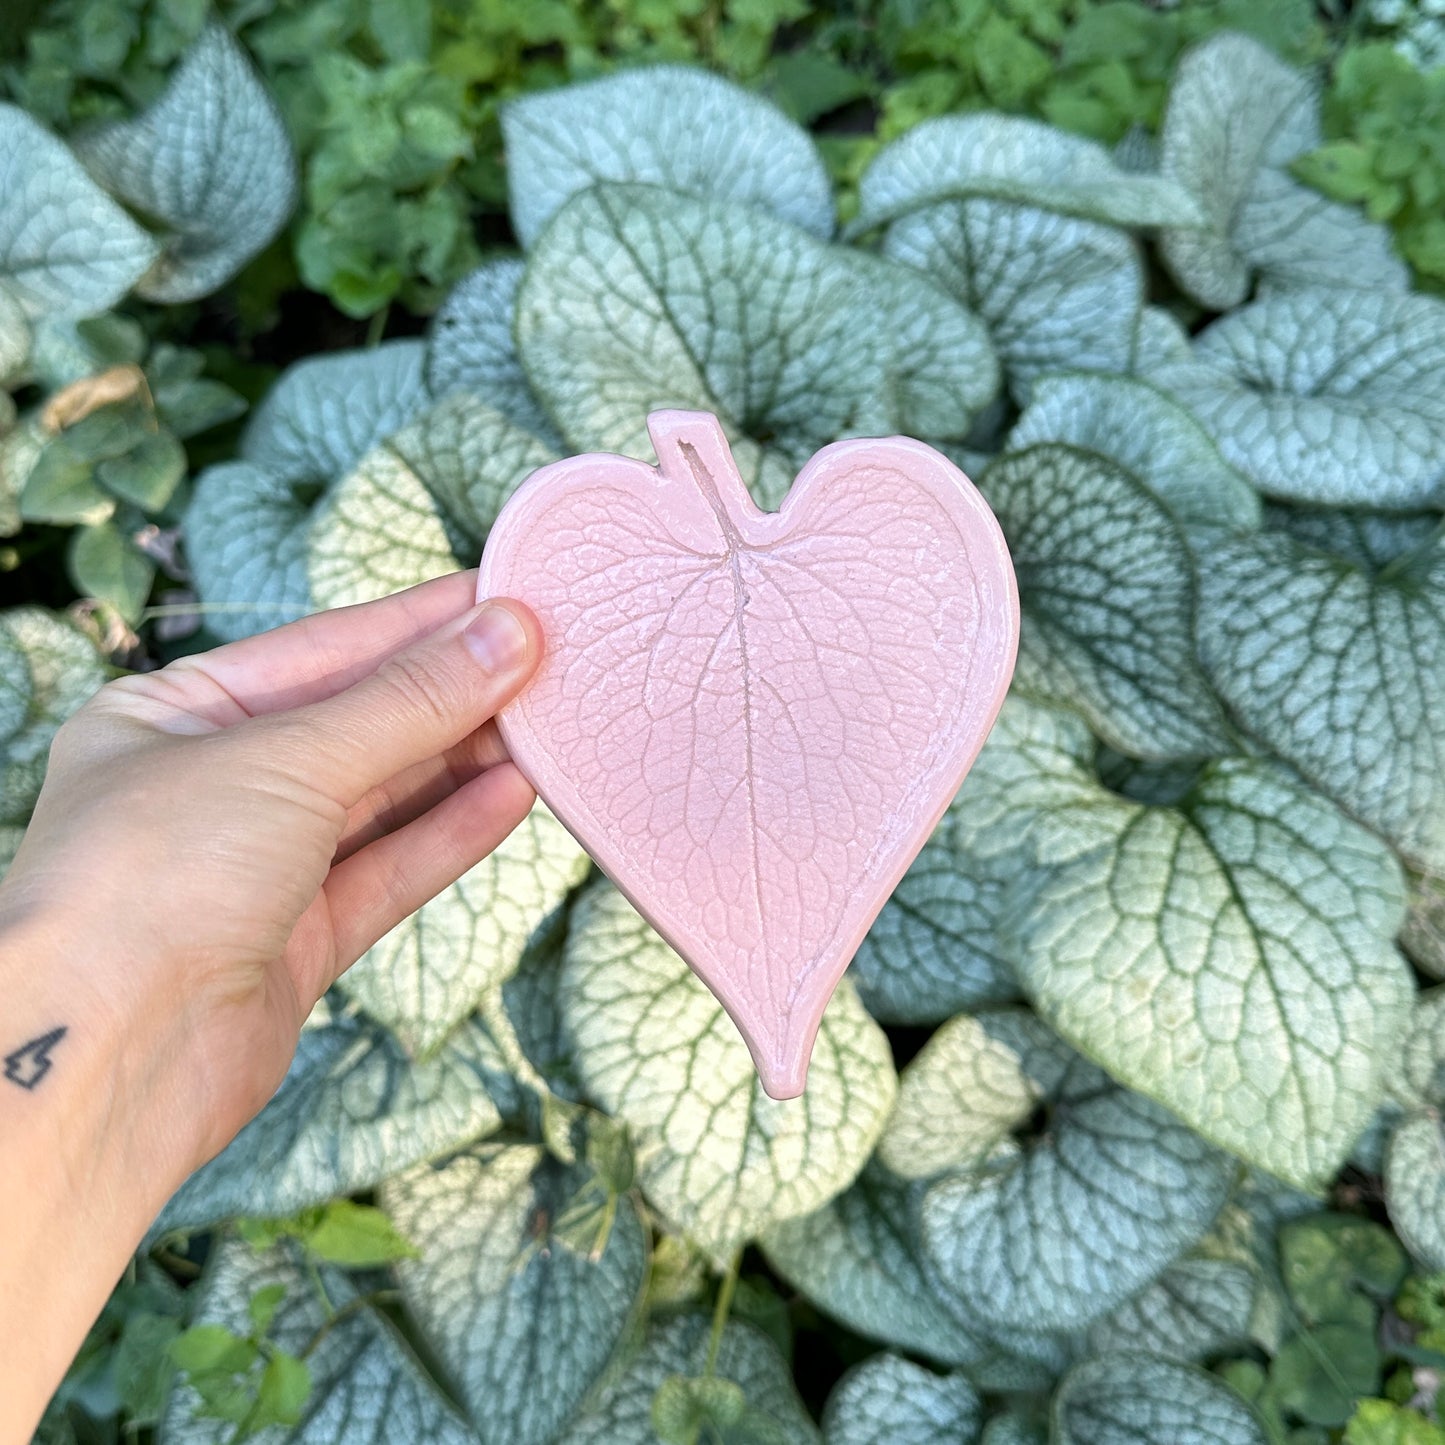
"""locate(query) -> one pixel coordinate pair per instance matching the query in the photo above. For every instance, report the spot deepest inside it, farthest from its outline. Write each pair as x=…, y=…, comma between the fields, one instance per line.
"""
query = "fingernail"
x=496, y=639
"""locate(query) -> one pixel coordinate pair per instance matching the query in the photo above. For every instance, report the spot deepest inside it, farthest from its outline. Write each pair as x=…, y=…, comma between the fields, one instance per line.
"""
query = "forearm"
x=84, y=1159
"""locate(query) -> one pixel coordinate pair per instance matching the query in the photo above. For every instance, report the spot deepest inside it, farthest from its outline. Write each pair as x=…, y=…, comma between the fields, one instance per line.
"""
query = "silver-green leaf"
x=66, y=249
x=1058, y=1235
x=1131, y=423
x=859, y=1259
x=471, y=347
x=1326, y=395
x=433, y=969
x=890, y=1401
x=1236, y=117
x=1197, y=1309
x=210, y=160
x=714, y=1153
x=1056, y=293
x=1011, y=158
x=1341, y=670
x=352, y=1111
x=367, y=1386
x=524, y=1286
x=669, y=126
x=680, y=1348
x=1249, y=980
x=1107, y=592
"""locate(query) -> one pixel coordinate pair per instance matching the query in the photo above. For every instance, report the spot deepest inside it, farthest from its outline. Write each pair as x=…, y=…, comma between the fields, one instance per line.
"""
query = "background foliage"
x=1112, y=1136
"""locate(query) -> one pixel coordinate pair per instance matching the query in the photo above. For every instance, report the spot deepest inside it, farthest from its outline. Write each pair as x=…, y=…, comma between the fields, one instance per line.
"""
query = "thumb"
x=418, y=703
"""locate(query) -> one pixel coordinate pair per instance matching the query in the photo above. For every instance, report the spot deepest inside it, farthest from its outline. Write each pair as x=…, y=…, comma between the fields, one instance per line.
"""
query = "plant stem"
x=721, y=1310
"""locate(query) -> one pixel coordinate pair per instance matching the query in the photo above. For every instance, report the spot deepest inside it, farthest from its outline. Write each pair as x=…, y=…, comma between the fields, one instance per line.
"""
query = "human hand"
x=242, y=825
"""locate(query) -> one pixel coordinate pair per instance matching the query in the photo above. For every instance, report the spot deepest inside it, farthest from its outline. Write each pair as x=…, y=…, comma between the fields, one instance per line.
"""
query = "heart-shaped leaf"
x=1251, y=982
x=1237, y=116
x=679, y=1349
x=1011, y=158
x=933, y=949
x=859, y=1259
x=1140, y=1399
x=367, y=1387
x=248, y=524
x=524, y=1285
x=714, y=1154
x=1155, y=440
x=1197, y=1309
x=718, y=677
x=433, y=969
x=353, y=1110
x=211, y=160
x=1056, y=294
x=1340, y=668
x=1061, y=1233
x=961, y=1096
x=1107, y=591
x=471, y=347
x=891, y=1401
x=66, y=249
x=667, y=126
x=1333, y=396
x=638, y=298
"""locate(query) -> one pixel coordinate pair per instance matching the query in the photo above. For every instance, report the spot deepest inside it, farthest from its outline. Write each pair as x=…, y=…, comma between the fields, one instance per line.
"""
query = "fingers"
x=373, y=890
x=417, y=704
x=394, y=803
x=317, y=657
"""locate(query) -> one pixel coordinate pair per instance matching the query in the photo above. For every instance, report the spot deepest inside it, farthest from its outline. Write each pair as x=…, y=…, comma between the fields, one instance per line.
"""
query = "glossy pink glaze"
x=754, y=720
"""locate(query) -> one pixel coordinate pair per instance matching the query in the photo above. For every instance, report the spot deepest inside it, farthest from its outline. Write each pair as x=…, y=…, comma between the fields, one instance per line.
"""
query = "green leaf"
x=1341, y=670
x=355, y=1236
x=523, y=1319
x=352, y=1111
x=1056, y=293
x=746, y=1357
x=970, y=1086
x=890, y=1401
x=106, y=564
x=1237, y=117
x=1252, y=984
x=1107, y=593
x=60, y=488
x=1139, y=1399
x=144, y=1365
x=433, y=969
x=148, y=474
x=212, y=1347
x=58, y=670
x=1330, y=396
x=1197, y=1309
x=1011, y=158
x=1382, y=1422
x=285, y=1385
x=471, y=347
x=667, y=126
x=367, y=1387
x=263, y=1306
x=1334, y=1265
x=248, y=524
x=1128, y=422
x=1058, y=1235
x=655, y=1049
x=1319, y=1374
x=859, y=1259
x=66, y=249
x=210, y=160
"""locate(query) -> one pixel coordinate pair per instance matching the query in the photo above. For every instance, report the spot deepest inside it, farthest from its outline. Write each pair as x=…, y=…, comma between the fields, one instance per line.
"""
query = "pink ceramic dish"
x=752, y=720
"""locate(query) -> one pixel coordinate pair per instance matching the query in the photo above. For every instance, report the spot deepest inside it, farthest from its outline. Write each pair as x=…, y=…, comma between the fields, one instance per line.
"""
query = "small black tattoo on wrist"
x=31, y=1062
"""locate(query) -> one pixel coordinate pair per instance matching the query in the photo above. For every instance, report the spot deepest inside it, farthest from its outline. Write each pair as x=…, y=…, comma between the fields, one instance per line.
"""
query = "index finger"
x=319, y=656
